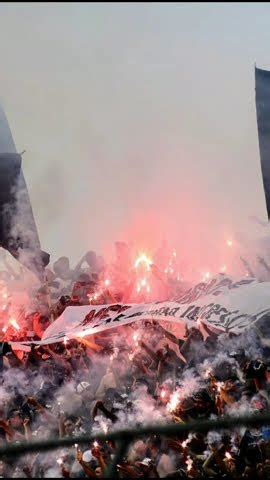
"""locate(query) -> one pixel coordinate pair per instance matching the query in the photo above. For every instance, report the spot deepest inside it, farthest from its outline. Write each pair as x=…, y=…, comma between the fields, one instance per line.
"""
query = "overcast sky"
x=136, y=118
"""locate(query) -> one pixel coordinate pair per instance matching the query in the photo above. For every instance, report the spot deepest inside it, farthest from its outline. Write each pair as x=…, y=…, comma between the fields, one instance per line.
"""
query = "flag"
x=262, y=81
x=18, y=231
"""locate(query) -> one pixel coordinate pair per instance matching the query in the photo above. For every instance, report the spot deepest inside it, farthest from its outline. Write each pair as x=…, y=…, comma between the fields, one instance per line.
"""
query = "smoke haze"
x=138, y=122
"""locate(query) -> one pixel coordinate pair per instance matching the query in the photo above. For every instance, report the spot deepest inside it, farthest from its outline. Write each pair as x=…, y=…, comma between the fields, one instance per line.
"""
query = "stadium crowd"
x=128, y=376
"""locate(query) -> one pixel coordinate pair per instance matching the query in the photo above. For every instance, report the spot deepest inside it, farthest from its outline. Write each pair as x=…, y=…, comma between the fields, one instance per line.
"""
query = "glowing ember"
x=143, y=259
x=228, y=456
x=174, y=400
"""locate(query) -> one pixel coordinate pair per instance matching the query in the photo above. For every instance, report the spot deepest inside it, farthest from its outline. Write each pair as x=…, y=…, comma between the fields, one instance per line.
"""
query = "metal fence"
x=123, y=438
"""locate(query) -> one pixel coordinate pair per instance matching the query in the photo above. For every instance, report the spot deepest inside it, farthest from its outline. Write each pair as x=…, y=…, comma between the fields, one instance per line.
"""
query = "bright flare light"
x=143, y=285
x=104, y=428
x=207, y=373
x=185, y=443
x=229, y=243
x=206, y=276
x=163, y=394
x=189, y=463
x=228, y=456
x=13, y=322
x=174, y=400
x=143, y=259
x=220, y=385
x=136, y=337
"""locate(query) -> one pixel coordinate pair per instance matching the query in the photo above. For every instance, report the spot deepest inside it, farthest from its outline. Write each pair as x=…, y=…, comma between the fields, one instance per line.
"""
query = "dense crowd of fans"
x=128, y=377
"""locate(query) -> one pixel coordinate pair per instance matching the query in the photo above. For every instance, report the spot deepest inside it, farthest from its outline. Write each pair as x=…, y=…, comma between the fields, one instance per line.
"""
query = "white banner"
x=221, y=303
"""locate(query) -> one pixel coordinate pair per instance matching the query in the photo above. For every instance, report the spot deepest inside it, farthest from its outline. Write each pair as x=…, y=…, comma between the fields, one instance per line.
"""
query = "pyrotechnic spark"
x=143, y=259
x=174, y=400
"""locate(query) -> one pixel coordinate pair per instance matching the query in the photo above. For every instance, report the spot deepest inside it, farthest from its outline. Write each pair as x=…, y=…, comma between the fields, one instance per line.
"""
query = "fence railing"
x=123, y=438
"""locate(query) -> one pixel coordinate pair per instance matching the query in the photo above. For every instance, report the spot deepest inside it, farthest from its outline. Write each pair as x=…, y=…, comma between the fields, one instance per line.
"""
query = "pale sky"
x=138, y=120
